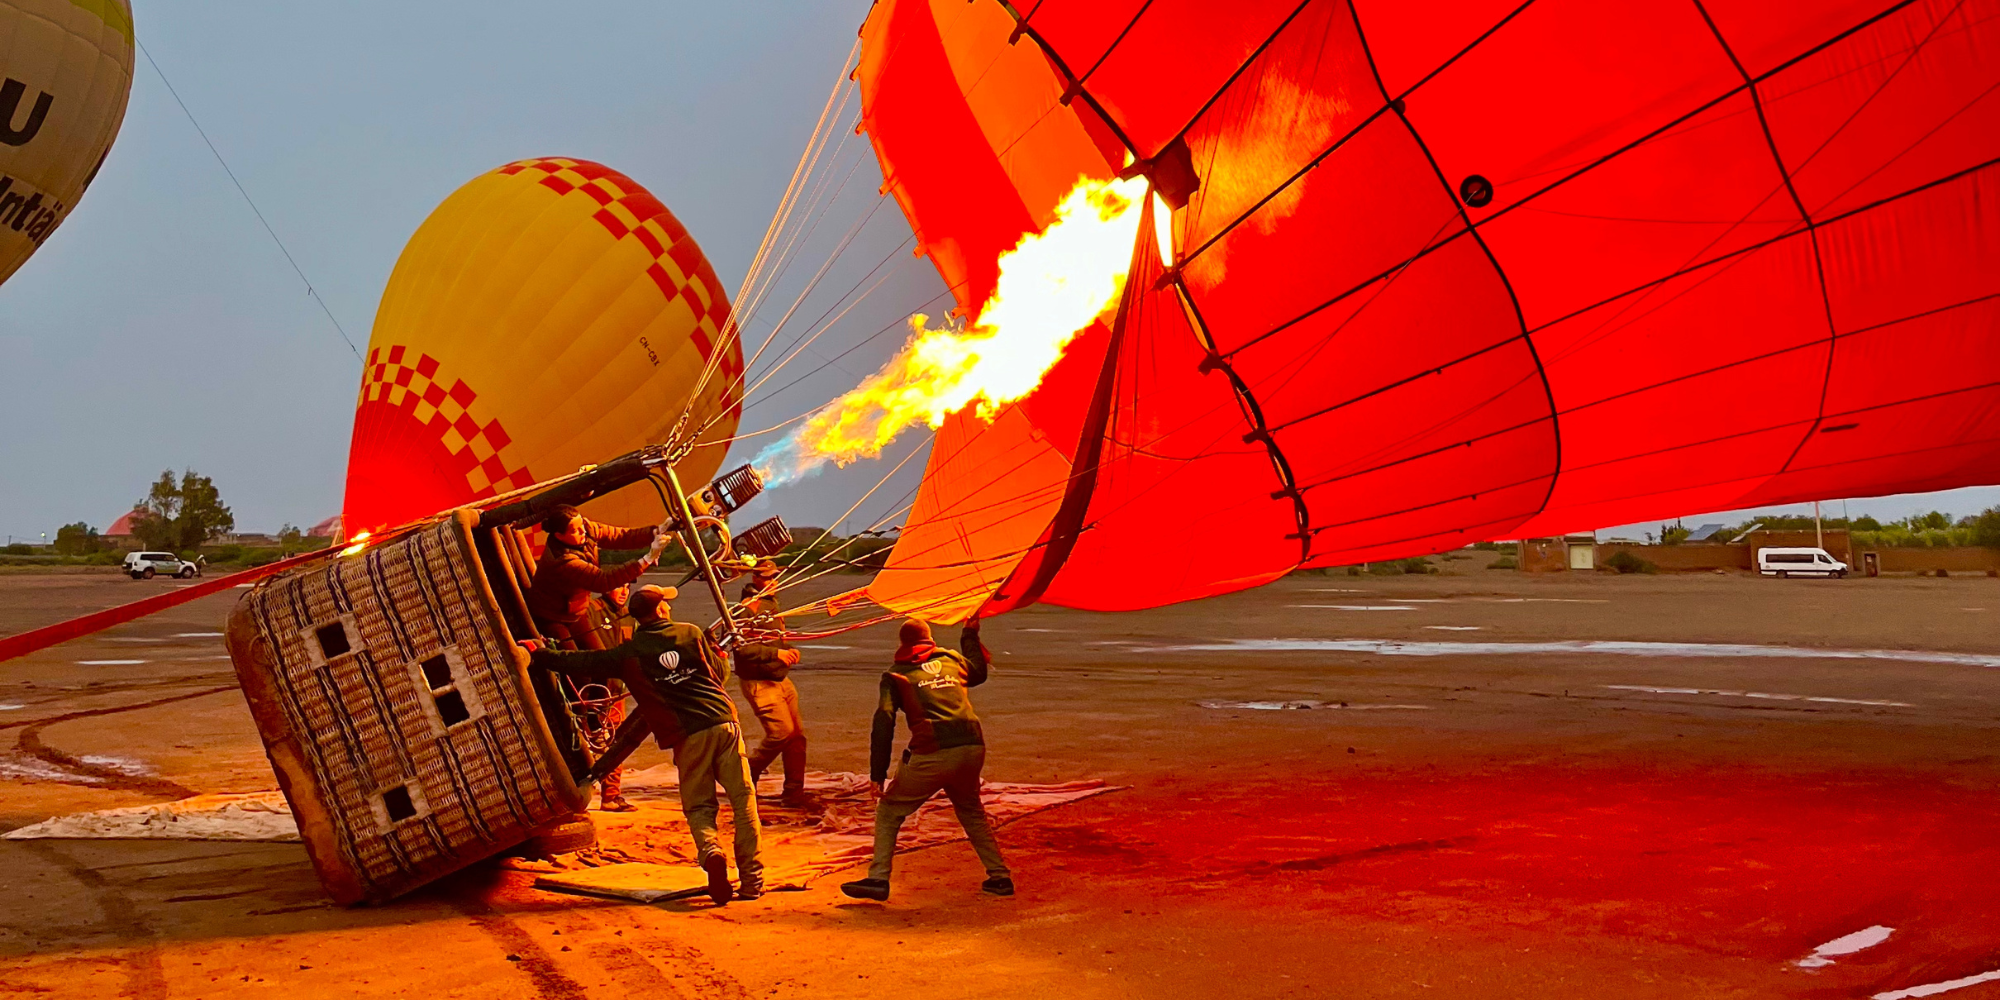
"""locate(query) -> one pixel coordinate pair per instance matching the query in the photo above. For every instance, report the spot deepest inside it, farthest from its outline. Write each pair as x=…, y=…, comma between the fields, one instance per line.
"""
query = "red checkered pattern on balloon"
x=629, y=211
x=409, y=380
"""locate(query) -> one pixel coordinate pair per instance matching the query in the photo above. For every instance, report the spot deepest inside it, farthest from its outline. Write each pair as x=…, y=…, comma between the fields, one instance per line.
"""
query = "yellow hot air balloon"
x=548, y=315
x=65, y=72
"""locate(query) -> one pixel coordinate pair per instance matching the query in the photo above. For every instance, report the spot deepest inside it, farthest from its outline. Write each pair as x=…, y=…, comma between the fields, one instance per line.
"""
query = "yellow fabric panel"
x=68, y=70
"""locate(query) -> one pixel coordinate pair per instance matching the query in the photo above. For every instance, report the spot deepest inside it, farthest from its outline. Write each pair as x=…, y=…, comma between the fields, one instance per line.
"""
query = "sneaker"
x=616, y=804
x=750, y=887
x=998, y=885
x=868, y=888
x=717, y=868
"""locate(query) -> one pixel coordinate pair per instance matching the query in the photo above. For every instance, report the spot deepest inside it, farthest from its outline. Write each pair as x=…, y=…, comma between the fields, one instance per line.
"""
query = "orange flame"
x=1052, y=286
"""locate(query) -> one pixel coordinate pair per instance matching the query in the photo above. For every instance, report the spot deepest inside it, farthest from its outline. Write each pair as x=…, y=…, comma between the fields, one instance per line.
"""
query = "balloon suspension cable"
x=759, y=278
x=289, y=259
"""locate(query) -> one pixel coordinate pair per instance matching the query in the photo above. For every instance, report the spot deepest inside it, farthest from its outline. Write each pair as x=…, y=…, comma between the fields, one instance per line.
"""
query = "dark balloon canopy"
x=1446, y=272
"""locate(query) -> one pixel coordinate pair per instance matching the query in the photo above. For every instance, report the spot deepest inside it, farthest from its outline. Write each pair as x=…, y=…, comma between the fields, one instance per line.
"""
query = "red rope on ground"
x=23, y=643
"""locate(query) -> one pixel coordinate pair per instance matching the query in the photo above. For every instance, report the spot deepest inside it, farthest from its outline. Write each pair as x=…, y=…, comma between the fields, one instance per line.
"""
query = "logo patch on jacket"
x=671, y=670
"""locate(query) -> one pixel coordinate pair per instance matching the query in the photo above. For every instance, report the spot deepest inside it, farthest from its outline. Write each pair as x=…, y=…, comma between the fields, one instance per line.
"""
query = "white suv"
x=145, y=565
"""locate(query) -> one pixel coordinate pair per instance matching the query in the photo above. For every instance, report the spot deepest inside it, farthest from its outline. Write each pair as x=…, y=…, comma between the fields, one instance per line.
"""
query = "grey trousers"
x=956, y=771
x=706, y=758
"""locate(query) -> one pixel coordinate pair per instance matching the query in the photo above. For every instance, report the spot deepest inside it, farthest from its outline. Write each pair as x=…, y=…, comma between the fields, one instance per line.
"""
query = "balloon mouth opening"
x=1051, y=287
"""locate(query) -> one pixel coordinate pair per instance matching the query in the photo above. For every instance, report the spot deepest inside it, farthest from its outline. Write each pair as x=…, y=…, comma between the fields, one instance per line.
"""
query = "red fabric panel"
x=1319, y=241
x=1176, y=56
x=1409, y=41
x=1766, y=34
x=1174, y=472
x=1079, y=31
x=1906, y=101
x=1307, y=91
x=1682, y=350
x=963, y=206
x=988, y=492
x=1915, y=363
x=1563, y=85
x=1711, y=379
x=1700, y=192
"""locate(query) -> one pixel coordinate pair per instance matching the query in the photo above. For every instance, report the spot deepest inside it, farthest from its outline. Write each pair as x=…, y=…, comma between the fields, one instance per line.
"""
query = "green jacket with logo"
x=671, y=667
x=929, y=687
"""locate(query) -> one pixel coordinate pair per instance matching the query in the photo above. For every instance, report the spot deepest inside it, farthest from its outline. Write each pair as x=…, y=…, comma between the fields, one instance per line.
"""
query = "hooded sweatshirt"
x=928, y=684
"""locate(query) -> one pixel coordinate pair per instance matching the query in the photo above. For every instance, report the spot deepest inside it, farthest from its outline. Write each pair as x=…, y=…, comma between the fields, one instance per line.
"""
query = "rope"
x=210, y=143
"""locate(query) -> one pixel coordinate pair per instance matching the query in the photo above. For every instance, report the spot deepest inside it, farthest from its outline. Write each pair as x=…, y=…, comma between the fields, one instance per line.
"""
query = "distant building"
x=329, y=528
x=120, y=535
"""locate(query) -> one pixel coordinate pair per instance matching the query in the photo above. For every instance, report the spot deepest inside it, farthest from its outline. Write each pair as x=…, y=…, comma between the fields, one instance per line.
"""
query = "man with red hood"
x=947, y=750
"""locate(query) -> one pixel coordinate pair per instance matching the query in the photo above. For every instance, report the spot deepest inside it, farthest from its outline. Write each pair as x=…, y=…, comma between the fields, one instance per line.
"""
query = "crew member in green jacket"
x=947, y=750
x=764, y=670
x=676, y=674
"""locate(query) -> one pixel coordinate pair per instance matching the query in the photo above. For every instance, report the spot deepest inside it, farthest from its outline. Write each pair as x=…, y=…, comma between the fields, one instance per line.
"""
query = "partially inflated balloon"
x=65, y=72
x=1443, y=272
x=548, y=315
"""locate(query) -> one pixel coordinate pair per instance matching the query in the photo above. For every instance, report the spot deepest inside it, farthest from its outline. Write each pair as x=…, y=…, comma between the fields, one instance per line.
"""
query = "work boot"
x=998, y=885
x=796, y=798
x=868, y=888
x=717, y=868
x=616, y=804
x=750, y=886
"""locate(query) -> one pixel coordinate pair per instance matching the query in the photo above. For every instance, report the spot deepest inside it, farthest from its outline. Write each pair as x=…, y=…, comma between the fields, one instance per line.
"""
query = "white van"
x=1799, y=562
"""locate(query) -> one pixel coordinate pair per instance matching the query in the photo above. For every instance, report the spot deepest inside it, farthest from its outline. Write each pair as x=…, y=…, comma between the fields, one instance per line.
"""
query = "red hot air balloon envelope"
x=1447, y=272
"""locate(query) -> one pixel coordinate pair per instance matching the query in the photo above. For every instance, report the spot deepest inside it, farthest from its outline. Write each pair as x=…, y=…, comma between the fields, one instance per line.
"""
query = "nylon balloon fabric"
x=549, y=314
x=65, y=76
x=1446, y=272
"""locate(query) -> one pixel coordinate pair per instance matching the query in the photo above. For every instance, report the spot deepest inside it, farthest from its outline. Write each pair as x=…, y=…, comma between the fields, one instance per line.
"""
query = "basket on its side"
x=398, y=713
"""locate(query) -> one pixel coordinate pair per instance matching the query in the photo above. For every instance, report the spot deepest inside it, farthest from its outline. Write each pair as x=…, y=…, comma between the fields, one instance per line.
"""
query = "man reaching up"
x=947, y=750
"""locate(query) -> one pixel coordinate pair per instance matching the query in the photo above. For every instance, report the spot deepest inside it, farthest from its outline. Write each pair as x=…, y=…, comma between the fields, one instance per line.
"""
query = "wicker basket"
x=398, y=714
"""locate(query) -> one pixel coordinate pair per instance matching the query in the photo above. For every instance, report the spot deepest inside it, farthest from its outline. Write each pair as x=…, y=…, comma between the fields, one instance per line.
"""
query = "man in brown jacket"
x=568, y=573
x=764, y=669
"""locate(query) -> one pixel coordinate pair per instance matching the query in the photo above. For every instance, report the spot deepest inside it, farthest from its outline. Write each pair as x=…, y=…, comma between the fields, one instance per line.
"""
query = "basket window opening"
x=437, y=672
x=396, y=801
x=332, y=639
x=451, y=708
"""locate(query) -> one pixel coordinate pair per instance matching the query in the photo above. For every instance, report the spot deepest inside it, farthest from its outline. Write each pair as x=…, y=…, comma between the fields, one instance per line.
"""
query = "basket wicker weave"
x=398, y=714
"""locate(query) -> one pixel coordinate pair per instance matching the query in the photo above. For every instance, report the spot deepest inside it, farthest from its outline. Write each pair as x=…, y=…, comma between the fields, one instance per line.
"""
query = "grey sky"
x=161, y=328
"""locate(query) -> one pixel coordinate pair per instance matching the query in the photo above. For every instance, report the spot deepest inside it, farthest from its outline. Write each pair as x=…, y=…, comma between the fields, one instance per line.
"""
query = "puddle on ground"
x=1846, y=944
x=1296, y=706
x=1764, y=695
x=1355, y=607
x=1933, y=989
x=1612, y=647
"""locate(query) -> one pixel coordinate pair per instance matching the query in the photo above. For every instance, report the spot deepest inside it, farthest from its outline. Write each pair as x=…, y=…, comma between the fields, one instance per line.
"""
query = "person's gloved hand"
x=531, y=645
x=790, y=657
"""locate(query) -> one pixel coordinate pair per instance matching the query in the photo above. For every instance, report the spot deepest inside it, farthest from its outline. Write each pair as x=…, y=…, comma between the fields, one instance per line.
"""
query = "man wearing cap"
x=568, y=573
x=676, y=674
x=764, y=670
x=947, y=750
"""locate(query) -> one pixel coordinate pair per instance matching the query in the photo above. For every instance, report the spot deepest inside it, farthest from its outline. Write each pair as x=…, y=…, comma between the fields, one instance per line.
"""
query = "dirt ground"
x=1622, y=821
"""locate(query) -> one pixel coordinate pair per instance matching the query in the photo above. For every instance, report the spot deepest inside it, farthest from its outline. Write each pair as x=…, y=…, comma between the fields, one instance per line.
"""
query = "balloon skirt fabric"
x=1447, y=272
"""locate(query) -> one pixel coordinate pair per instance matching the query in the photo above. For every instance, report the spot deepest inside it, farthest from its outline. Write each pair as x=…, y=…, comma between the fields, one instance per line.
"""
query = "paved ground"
x=1630, y=821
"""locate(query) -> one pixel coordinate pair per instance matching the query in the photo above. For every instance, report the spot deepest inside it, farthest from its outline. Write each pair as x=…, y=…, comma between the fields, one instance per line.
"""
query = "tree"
x=182, y=516
x=1867, y=523
x=289, y=537
x=1986, y=528
x=77, y=539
